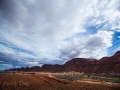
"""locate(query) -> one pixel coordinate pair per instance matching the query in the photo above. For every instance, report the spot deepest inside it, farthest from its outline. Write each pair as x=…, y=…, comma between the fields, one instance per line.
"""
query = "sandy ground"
x=45, y=81
x=98, y=82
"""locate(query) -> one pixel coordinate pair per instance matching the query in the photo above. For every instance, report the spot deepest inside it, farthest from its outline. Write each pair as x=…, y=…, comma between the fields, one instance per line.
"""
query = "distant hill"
x=106, y=65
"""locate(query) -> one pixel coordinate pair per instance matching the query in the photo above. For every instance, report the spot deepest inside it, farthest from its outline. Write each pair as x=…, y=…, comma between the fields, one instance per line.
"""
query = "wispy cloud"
x=58, y=30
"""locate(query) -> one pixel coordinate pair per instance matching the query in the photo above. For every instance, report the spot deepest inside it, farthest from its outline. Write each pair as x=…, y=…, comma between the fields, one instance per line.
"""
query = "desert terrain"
x=50, y=81
x=75, y=74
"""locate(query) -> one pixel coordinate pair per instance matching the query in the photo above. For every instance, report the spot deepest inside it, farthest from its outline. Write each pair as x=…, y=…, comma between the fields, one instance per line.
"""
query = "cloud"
x=94, y=46
x=48, y=24
x=58, y=30
x=102, y=39
x=7, y=66
x=118, y=36
x=98, y=44
x=33, y=25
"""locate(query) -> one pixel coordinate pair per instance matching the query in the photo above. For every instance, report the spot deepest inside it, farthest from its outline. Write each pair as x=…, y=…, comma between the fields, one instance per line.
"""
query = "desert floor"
x=43, y=81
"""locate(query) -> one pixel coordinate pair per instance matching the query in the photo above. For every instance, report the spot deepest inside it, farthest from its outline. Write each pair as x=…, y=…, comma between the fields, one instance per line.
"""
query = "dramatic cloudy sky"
x=34, y=32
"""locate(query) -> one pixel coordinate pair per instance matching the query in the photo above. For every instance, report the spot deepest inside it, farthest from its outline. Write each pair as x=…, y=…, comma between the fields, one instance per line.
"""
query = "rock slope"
x=109, y=65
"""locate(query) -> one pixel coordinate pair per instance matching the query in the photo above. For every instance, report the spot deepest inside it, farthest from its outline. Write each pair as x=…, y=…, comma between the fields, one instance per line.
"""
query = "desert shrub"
x=13, y=72
x=31, y=73
x=88, y=75
x=93, y=77
x=69, y=77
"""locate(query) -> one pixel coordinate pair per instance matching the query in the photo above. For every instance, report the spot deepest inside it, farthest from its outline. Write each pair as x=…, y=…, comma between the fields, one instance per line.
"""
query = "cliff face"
x=50, y=68
x=108, y=64
x=79, y=65
x=104, y=65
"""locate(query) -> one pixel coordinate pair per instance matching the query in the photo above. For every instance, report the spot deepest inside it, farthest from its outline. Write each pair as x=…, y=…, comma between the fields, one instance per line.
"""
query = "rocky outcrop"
x=104, y=65
x=79, y=65
x=50, y=68
x=108, y=64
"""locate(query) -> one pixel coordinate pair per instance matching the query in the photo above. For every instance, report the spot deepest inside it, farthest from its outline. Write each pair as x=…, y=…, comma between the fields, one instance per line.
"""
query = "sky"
x=36, y=32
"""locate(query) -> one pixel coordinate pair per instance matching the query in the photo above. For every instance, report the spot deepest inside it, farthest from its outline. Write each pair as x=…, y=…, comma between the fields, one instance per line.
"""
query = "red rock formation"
x=109, y=65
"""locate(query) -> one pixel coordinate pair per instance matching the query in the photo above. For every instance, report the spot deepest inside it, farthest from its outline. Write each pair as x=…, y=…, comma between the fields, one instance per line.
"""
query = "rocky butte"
x=106, y=65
